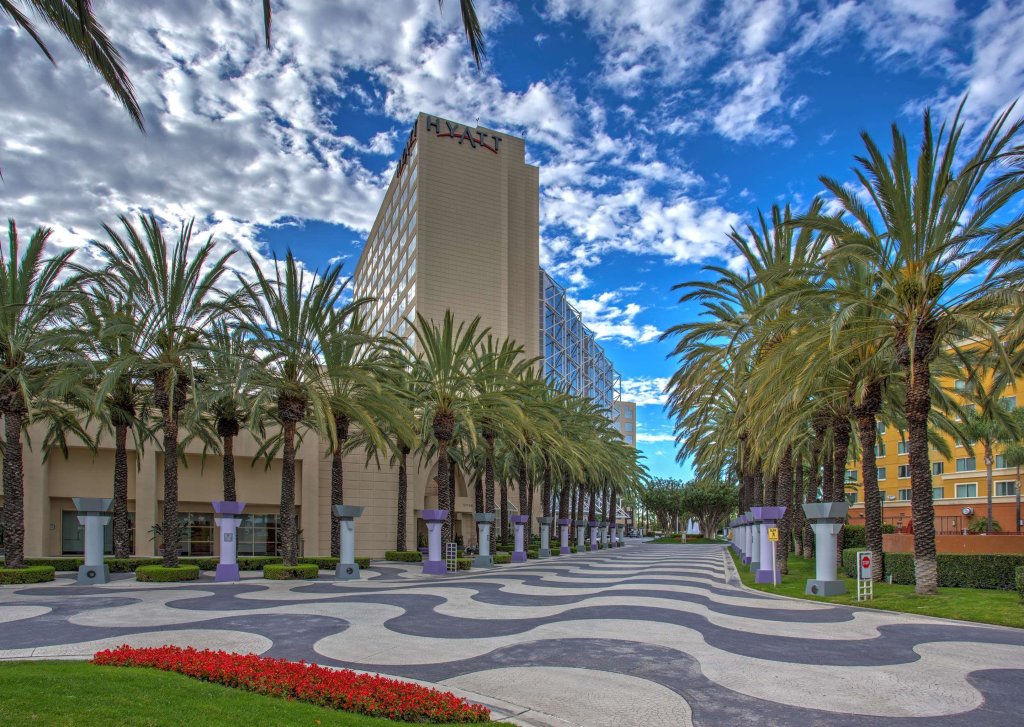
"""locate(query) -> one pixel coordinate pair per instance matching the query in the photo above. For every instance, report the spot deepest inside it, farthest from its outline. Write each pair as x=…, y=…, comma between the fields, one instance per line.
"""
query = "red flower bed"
x=343, y=689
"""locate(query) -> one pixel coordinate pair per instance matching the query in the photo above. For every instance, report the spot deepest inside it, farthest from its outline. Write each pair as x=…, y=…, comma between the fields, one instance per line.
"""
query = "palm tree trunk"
x=504, y=513
x=229, y=469
x=917, y=406
x=784, y=496
x=547, y=504
x=988, y=479
x=451, y=498
x=564, y=501
x=841, y=429
x=443, y=494
x=529, y=511
x=338, y=481
x=14, y=492
x=403, y=499
x=867, y=431
x=489, y=485
x=524, y=488
x=288, y=527
x=1018, y=498
x=799, y=519
x=122, y=534
x=478, y=494
x=171, y=529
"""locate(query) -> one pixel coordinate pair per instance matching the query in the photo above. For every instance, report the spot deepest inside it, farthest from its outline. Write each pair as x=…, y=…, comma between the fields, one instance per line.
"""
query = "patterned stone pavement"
x=643, y=635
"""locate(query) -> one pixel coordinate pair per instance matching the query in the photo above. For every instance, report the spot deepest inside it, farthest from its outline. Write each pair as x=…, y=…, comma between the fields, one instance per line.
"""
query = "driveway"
x=644, y=635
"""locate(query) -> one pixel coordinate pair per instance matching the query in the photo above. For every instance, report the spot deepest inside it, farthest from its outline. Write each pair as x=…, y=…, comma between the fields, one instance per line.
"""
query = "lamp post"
x=92, y=515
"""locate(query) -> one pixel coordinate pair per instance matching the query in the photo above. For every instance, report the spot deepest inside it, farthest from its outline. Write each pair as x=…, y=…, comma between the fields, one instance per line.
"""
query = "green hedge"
x=160, y=574
x=854, y=537
x=281, y=572
x=502, y=558
x=64, y=563
x=330, y=562
x=1020, y=581
x=993, y=571
x=28, y=574
x=463, y=563
x=532, y=553
x=404, y=556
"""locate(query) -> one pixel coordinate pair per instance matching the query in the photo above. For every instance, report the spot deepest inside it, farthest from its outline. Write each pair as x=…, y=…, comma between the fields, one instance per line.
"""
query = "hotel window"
x=72, y=534
x=903, y=471
x=412, y=267
x=629, y=439
x=1005, y=489
x=937, y=493
x=881, y=496
x=851, y=475
x=412, y=199
x=968, y=490
x=881, y=428
x=880, y=449
x=1000, y=462
x=1008, y=402
x=903, y=494
x=196, y=533
x=881, y=473
x=938, y=468
x=257, y=535
x=851, y=497
x=901, y=447
x=412, y=245
x=412, y=220
x=628, y=426
x=966, y=464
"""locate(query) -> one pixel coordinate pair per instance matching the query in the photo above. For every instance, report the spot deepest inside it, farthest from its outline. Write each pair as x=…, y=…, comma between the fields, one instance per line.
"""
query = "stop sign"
x=865, y=562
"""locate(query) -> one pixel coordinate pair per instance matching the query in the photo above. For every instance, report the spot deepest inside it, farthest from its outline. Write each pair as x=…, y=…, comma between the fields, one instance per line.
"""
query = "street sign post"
x=865, y=583
x=773, y=538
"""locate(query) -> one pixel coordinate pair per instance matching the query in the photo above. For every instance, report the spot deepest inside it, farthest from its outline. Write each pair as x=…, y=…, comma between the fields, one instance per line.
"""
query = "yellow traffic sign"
x=773, y=534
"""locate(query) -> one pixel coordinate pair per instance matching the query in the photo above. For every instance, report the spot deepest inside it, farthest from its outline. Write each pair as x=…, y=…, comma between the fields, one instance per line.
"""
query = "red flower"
x=343, y=689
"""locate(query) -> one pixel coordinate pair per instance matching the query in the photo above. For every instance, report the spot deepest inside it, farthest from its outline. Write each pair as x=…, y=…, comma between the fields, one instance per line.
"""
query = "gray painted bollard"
x=433, y=565
x=826, y=519
x=519, y=522
x=348, y=569
x=593, y=535
x=484, y=521
x=581, y=526
x=93, y=515
x=229, y=516
x=768, y=516
x=755, y=542
x=563, y=526
x=545, y=537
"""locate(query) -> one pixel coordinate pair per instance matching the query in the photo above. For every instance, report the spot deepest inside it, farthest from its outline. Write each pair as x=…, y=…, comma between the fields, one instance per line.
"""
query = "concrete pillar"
x=148, y=490
x=37, y=496
x=484, y=521
x=92, y=515
x=229, y=517
x=545, y=537
x=309, y=513
x=434, y=564
x=826, y=519
x=348, y=569
x=768, y=516
x=563, y=525
x=581, y=526
x=519, y=522
x=593, y=535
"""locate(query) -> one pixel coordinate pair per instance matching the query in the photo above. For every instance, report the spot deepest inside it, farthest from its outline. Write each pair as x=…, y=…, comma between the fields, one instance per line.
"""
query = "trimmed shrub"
x=504, y=548
x=160, y=574
x=1020, y=581
x=994, y=571
x=463, y=563
x=281, y=572
x=245, y=562
x=28, y=574
x=404, y=556
x=532, y=553
x=129, y=565
x=502, y=558
x=854, y=537
x=64, y=563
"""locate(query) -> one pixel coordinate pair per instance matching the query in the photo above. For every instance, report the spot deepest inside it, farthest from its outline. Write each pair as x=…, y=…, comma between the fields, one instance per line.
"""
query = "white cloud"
x=654, y=437
x=609, y=318
x=645, y=390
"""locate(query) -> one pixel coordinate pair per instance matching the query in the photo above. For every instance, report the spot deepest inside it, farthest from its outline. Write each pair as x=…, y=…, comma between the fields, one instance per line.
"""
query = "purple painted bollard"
x=229, y=515
x=519, y=521
x=563, y=526
x=434, y=565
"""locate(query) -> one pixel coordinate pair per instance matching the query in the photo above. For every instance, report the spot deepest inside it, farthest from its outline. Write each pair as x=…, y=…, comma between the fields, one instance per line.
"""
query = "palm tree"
x=443, y=382
x=175, y=299
x=292, y=315
x=75, y=22
x=111, y=333
x=929, y=227
x=41, y=369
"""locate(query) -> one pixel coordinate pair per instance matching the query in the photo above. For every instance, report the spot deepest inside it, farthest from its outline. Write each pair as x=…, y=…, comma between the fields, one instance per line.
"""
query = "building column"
x=37, y=502
x=309, y=516
x=147, y=482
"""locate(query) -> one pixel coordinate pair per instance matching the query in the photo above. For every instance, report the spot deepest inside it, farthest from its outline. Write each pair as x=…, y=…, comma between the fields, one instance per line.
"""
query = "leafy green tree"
x=41, y=368
x=710, y=503
x=175, y=299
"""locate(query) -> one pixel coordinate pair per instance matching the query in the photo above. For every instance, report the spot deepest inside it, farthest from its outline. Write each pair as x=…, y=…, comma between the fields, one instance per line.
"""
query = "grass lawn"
x=690, y=540
x=78, y=693
x=1003, y=608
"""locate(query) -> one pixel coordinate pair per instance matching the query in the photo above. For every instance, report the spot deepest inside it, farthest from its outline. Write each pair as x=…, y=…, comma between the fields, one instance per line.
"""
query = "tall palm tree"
x=443, y=381
x=929, y=226
x=75, y=21
x=175, y=299
x=292, y=315
x=41, y=369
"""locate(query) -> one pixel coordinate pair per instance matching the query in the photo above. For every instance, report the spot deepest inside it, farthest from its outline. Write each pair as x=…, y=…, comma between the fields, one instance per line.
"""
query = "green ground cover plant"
x=404, y=556
x=86, y=695
x=956, y=570
x=30, y=574
x=1002, y=608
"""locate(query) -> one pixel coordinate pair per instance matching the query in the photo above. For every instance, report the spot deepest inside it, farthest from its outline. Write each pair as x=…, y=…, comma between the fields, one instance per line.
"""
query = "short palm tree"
x=291, y=317
x=41, y=369
x=172, y=290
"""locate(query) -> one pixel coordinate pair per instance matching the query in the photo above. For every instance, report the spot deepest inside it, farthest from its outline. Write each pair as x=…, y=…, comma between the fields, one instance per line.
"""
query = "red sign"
x=865, y=562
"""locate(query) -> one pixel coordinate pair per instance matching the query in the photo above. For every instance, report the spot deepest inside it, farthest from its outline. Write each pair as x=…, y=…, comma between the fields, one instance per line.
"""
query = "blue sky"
x=657, y=126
